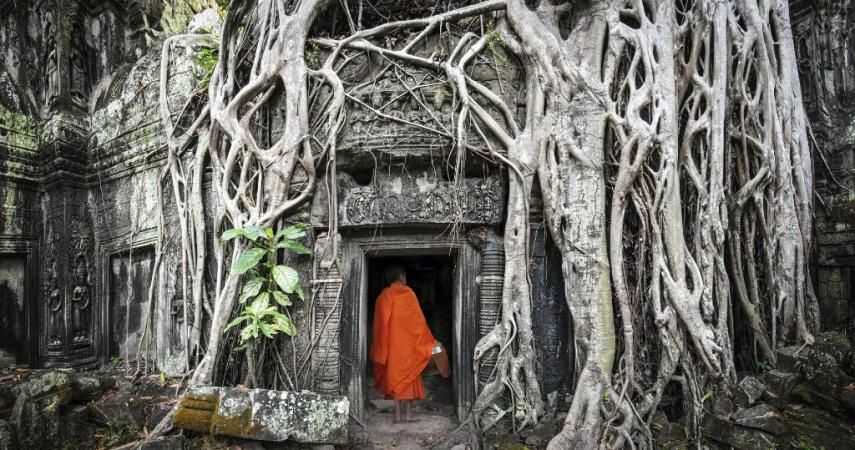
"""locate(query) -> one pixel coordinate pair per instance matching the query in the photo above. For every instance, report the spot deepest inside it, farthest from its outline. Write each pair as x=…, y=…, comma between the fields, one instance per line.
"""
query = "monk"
x=403, y=344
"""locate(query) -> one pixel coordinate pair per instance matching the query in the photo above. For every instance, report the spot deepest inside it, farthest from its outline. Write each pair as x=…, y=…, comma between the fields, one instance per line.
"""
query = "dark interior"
x=12, y=310
x=432, y=279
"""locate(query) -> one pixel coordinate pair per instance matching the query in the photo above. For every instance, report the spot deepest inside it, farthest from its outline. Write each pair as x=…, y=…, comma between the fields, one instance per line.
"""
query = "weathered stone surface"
x=787, y=358
x=120, y=409
x=808, y=393
x=779, y=382
x=85, y=388
x=721, y=406
x=751, y=389
x=36, y=426
x=265, y=415
x=51, y=388
x=672, y=436
x=720, y=430
x=7, y=438
x=761, y=417
x=816, y=428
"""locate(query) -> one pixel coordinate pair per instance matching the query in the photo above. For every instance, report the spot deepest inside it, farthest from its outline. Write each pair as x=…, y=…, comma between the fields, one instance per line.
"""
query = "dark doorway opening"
x=432, y=279
x=13, y=311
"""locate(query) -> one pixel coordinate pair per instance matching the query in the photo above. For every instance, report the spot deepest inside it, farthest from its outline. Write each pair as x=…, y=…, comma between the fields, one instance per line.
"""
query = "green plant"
x=707, y=396
x=268, y=285
x=163, y=377
x=802, y=442
x=313, y=56
x=115, y=434
x=207, y=59
x=494, y=41
x=764, y=366
x=115, y=360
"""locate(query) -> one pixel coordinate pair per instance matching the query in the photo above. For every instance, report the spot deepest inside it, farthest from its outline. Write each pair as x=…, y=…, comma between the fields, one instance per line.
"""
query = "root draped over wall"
x=668, y=139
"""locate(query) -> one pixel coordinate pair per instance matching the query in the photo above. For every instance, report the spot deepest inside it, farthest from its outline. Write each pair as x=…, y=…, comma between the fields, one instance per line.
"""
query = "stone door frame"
x=356, y=249
x=29, y=249
x=106, y=249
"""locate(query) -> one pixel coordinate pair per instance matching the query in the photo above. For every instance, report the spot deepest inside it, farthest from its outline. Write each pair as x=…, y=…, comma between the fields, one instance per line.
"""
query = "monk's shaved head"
x=393, y=273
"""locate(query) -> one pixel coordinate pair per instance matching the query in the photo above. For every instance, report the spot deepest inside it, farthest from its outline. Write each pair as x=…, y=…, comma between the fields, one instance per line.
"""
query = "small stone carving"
x=55, y=302
x=52, y=75
x=80, y=300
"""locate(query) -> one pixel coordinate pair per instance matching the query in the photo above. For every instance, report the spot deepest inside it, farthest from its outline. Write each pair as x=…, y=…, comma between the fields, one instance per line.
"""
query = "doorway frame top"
x=357, y=247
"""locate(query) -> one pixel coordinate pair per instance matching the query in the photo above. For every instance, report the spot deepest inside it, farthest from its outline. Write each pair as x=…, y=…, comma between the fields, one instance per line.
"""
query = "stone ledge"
x=265, y=415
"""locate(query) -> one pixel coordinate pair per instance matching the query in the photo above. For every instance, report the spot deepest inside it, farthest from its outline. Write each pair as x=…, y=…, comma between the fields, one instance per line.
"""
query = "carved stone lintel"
x=476, y=201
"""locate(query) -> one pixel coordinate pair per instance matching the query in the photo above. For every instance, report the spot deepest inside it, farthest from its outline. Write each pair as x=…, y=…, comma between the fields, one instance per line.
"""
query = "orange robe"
x=402, y=344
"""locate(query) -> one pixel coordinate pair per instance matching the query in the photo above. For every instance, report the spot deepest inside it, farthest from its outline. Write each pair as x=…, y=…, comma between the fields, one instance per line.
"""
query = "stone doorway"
x=432, y=279
x=13, y=310
x=442, y=266
x=19, y=343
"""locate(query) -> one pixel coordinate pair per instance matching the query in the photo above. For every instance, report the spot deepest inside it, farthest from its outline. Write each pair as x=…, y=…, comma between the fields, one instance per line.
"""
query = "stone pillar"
x=326, y=321
x=70, y=331
x=70, y=306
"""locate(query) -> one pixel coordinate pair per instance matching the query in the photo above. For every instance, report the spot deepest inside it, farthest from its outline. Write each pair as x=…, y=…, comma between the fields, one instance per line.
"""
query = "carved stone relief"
x=406, y=201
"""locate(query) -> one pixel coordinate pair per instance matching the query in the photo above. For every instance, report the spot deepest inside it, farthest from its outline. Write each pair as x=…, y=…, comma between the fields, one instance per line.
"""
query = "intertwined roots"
x=660, y=133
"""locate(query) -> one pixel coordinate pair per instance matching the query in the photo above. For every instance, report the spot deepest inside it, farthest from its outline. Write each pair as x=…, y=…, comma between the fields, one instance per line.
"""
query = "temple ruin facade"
x=84, y=205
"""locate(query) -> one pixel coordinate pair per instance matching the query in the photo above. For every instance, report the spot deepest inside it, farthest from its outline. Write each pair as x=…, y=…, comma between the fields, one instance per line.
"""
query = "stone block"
x=265, y=415
x=808, y=393
x=51, y=388
x=788, y=358
x=734, y=435
x=779, y=382
x=120, y=408
x=721, y=406
x=761, y=417
x=751, y=389
x=85, y=388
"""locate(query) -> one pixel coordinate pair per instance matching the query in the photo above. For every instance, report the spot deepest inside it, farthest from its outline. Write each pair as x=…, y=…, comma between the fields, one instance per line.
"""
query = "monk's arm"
x=380, y=341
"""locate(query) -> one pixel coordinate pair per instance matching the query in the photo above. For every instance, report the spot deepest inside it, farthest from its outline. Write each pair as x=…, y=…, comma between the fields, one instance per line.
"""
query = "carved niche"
x=52, y=87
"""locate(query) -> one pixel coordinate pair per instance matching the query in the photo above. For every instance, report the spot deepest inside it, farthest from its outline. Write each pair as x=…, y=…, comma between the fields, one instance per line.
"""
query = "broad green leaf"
x=299, y=291
x=248, y=260
x=285, y=325
x=231, y=234
x=294, y=246
x=237, y=320
x=292, y=232
x=267, y=329
x=277, y=315
x=261, y=303
x=268, y=232
x=286, y=278
x=248, y=332
x=281, y=298
x=253, y=232
x=252, y=287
